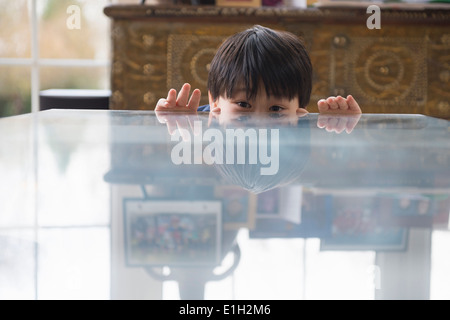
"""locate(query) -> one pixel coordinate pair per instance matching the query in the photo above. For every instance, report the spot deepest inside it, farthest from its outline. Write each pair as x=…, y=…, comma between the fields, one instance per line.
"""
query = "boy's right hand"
x=182, y=102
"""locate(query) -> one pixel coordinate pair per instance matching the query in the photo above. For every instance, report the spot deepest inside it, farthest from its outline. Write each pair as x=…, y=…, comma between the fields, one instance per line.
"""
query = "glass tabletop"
x=104, y=204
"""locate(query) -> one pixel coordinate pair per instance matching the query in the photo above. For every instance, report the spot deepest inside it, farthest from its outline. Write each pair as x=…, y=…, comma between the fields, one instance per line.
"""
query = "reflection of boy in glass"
x=258, y=70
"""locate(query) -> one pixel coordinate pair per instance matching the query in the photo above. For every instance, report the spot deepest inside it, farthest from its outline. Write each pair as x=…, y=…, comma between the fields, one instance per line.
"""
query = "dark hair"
x=259, y=55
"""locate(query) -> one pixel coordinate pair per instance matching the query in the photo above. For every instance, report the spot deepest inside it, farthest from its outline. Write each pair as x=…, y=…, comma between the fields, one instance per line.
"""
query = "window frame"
x=35, y=62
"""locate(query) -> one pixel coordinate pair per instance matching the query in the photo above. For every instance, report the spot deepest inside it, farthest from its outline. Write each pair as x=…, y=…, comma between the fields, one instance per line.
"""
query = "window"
x=47, y=44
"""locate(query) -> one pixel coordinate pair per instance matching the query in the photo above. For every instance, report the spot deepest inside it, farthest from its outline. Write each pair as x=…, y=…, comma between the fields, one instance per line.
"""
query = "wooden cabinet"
x=403, y=67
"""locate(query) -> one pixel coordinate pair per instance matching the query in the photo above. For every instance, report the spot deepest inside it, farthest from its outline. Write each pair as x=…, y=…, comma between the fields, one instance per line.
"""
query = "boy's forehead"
x=261, y=92
x=241, y=88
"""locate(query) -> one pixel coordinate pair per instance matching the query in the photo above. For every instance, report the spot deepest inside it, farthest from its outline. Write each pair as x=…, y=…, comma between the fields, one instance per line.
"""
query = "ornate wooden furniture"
x=403, y=67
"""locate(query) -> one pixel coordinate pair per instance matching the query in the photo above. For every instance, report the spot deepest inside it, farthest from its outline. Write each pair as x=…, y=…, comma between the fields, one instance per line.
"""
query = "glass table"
x=137, y=205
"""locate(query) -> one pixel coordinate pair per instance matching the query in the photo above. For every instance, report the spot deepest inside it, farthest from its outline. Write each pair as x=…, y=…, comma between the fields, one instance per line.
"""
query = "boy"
x=258, y=70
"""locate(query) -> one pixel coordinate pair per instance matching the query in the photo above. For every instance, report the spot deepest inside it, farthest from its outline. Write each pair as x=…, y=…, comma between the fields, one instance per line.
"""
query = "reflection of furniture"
x=401, y=68
x=74, y=99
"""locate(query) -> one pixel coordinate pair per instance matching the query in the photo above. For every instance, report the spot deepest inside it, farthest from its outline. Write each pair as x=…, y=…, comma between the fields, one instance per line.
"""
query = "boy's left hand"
x=339, y=105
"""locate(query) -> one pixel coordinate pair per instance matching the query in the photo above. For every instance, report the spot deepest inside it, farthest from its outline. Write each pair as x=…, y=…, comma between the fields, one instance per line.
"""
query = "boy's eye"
x=276, y=108
x=243, y=104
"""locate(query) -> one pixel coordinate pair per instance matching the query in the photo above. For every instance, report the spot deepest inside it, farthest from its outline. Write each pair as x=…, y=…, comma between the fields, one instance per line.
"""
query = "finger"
x=171, y=100
x=332, y=103
x=351, y=123
x=161, y=104
x=183, y=95
x=342, y=103
x=331, y=125
x=161, y=116
x=340, y=125
x=322, y=121
x=182, y=125
x=194, y=101
x=322, y=105
x=191, y=119
x=353, y=105
x=171, y=125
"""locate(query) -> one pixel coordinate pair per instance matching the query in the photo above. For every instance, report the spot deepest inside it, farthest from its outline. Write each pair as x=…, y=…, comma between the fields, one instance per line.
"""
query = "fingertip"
x=197, y=92
x=321, y=125
x=172, y=94
x=331, y=101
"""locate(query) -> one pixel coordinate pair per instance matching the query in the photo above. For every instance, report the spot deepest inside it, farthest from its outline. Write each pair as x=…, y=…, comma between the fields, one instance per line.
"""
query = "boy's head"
x=261, y=66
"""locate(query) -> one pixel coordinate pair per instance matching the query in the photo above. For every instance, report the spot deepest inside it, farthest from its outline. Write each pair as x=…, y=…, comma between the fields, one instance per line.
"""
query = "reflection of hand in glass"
x=338, y=114
x=182, y=122
x=338, y=123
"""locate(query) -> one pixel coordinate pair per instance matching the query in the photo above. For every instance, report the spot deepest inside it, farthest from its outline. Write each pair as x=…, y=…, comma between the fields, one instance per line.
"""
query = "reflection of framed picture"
x=238, y=207
x=389, y=239
x=357, y=226
x=172, y=233
x=268, y=203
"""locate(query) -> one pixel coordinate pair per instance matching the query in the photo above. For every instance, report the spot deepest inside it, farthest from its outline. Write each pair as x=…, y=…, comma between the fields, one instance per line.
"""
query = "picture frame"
x=172, y=233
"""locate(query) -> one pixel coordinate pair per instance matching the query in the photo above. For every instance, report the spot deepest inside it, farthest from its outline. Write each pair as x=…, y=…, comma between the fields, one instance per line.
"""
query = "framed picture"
x=238, y=207
x=172, y=233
